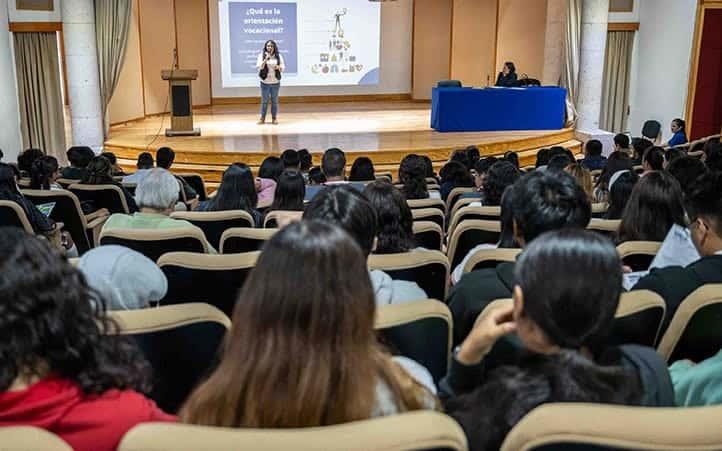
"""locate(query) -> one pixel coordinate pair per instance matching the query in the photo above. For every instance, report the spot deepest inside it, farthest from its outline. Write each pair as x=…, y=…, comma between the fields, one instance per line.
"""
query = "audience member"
x=100, y=172
x=583, y=177
x=617, y=161
x=541, y=202
x=316, y=177
x=512, y=157
x=639, y=146
x=472, y=153
x=271, y=168
x=654, y=206
x=44, y=173
x=563, y=321
x=460, y=156
x=593, y=158
x=621, y=144
x=126, y=279
x=501, y=175
x=430, y=174
x=622, y=184
x=454, y=175
x=679, y=133
x=305, y=160
x=412, y=175
x=686, y=170
x=144, y=165
x=117, y=170
x=40, y=223
x=713, y=156
x=237, y=191
x=324, y=340
x=559, y=162
x=26, y=160
x=704, y=208
x=288, y=198
x=542, y=158
x=672, y=154
x=291, y=160
x=653, y=160
x=362, y=170
x=79, y=158
x=349, y=209
x=481, y=172
x=164, y=158
x=395, y=232
x=64, y=369
x=333, y=166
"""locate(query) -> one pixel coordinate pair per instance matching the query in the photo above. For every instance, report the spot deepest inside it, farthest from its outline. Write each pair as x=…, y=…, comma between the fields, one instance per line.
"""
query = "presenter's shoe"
x=261, y=122
x=275, y=122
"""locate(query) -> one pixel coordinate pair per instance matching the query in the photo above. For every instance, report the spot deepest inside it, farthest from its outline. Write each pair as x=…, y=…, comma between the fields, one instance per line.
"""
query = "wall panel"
x=474, y=42
x=127, y=101
x=192, y=29
x=432, y=45
x=522, y=26
x=157, y=41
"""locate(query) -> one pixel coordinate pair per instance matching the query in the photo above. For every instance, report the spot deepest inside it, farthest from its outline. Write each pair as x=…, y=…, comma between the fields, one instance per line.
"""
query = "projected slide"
x=322, y=42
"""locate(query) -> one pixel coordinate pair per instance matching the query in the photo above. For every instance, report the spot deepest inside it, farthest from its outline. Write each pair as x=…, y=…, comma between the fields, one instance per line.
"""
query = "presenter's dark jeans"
x=269, y=92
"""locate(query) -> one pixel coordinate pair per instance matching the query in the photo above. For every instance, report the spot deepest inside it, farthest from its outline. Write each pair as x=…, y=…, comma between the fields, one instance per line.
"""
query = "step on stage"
x=384, y=131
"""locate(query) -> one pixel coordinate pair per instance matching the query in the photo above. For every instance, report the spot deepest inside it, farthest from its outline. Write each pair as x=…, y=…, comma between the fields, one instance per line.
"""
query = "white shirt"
x=272, y=64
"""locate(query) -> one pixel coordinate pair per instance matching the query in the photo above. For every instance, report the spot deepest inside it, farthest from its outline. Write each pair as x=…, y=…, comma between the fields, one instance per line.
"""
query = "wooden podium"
x=181, y=100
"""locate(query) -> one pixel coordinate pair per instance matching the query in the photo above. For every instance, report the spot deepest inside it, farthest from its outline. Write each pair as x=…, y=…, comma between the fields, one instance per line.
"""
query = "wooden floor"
x=385, y=131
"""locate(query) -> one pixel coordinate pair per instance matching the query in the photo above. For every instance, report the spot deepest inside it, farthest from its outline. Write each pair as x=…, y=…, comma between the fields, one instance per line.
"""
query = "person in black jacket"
x=675, y=283
x=507, y=77
x=563, y=320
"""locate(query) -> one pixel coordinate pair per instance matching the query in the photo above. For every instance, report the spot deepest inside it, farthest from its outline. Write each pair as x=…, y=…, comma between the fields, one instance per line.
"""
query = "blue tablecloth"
x=496, y=109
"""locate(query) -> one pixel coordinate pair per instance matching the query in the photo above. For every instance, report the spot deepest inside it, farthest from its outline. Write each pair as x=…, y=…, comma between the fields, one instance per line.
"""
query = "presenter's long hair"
x=302, y=351
x=273, y=43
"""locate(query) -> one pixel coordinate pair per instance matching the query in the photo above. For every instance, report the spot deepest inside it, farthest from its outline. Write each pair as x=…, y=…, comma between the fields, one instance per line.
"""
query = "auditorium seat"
x=244, y=239
x=384, y=176
x=439, y=204
x=598, y=427
x=599, y=209
x=606, y=227
x=455, y=194
x=213, y=279
x=271, y=219
x=155, y=242
x=429, y=214
x=428, y=268
x=468, y=234
x=490, y=258
x=638, y=319
x=26, y=438
x=181, y=343
x=695, y=332
x=196, y=182
x=421, y=331
x=638, y=255
x=419, y=430
x=214, y=223
x=461, y=203
x=130, y=187
x=428, y=234
x=475, y=213
x=110, y=197
x=65, y=183
x=67, y=210
x=13, y=215
x=652, y=130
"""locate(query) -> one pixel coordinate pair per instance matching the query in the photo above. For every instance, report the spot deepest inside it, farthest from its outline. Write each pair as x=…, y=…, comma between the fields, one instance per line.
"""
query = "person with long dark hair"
x=620, y=190
x=288, y=198
x=454, y=175
x=270, y=66
x=501, y=175
x=323, y=340
x=9, y=191
x=412, y=175
x=617, y=161
x=653, y=208
x=507, y=77
x=395, y=232
x=44, y=173
x=236, y=192
x=567, y=358
x=679, y=133
x=64, y=368
x=362, y=170
x=26, y=160
x=100, y=172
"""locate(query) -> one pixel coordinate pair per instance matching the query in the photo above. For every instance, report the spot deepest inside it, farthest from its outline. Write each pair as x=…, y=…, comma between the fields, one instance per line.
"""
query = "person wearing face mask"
x=270, y=65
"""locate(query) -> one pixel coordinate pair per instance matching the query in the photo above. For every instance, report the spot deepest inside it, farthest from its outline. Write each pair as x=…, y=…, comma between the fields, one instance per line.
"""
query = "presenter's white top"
x=272, y=64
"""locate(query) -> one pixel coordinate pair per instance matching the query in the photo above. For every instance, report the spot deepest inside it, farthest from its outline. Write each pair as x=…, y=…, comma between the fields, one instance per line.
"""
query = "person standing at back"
x=270, y=65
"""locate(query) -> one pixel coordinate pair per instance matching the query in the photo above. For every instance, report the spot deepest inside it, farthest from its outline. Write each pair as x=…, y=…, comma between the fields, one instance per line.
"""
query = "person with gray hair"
x=156, y=196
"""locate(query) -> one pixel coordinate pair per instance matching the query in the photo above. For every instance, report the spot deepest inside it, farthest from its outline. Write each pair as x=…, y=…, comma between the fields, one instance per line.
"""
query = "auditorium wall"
x=127, y=102
x=520, y=38
x=432, y=49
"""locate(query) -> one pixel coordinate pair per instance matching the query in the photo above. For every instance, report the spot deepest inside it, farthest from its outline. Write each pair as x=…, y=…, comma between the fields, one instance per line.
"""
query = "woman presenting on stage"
x=270, y=65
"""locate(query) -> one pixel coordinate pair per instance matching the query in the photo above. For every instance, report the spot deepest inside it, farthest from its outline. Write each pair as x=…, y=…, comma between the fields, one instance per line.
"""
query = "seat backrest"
x=26, y=438
x=428, y=235
x=13, y=215
x=67, y=210
x=599, y=209
x=429, y=214
x=461, y=203
x=651, y=129
x=606, y=227
x=419, y=330
x=244, y=239
x=490, y=258
x=419, y=430
x=130, y=187
x=470, y=233
x=638, y=255
x=102, y=196
x=181, y=342
x=428, y=268
x=65, y=183
x=272, y=217
x=210, y=278
x=638, y=319
x=155, y=242
x=214, y=223
x=474, y=212
x=449, y=84
x=427, y=203
x=695, y=332
x=597, y=427
x=455, y=194
x=196, y=182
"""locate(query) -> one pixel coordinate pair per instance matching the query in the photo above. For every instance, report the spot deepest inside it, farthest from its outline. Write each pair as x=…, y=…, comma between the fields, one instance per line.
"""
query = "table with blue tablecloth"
x=497, y=109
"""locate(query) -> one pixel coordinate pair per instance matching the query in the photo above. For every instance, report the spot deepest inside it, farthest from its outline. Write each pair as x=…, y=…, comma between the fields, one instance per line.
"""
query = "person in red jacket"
x=61, y=368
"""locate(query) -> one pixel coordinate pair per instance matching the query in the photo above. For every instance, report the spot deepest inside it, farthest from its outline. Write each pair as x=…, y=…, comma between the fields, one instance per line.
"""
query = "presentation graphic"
x=323, y=43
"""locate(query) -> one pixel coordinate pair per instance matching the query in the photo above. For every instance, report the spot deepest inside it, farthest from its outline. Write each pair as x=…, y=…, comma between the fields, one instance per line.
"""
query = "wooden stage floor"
x=385, y=131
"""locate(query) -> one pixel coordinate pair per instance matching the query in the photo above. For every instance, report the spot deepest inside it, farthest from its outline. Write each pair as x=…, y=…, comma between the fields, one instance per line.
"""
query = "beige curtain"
x=615, y=90
x=39, y=94
x=112, y=21
x=572, y=58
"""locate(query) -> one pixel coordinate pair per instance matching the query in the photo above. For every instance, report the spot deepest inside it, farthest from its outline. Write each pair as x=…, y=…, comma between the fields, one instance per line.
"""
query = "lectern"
x=181, y=100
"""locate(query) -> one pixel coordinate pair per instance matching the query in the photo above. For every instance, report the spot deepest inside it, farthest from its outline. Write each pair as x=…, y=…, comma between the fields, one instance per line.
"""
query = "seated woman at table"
x=507, y=76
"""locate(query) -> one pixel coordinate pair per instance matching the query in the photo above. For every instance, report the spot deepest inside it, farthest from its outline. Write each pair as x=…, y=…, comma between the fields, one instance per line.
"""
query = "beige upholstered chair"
x=599, y=209
x=639, y=318
x=456, y=193
x=110, y=197
x=420, y=330
x=12, y=214
x=694, y=332
x=429, y=214
x=428, y=235
x=607, y=226
x=155, y=242
x=461, y=203
x=474, y=212
x=468, y=234
x=428, y=268
x=277, y=218
x=27, y=438
x=420, y=430
x=244, y=239
x=638, y=254
x=570, y=426
x=489, y=258
x=427, y=203
x=214, y=223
